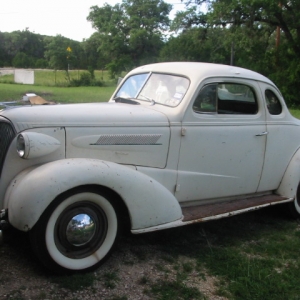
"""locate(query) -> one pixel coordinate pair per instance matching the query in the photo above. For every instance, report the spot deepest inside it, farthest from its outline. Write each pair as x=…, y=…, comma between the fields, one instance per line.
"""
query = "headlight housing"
x=21, y=145
x=33, y=144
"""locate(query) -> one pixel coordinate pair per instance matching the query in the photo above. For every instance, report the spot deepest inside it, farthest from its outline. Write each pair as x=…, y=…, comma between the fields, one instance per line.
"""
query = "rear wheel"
x=77, y=232
x=294, y=207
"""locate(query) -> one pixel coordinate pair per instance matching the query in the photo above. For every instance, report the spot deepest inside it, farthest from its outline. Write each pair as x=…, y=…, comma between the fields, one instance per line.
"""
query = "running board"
x=207, y=212
x=215, y=211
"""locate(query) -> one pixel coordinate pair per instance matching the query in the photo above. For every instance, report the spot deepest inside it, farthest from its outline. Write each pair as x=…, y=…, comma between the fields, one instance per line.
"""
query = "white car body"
x=170, y=162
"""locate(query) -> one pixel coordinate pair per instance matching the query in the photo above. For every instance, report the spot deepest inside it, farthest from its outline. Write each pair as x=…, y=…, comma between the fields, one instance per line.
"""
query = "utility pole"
x=232, y=54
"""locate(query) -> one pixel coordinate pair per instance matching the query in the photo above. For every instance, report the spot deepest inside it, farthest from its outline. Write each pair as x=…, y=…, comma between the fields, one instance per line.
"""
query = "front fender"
x=149, y=203
x=291, y=178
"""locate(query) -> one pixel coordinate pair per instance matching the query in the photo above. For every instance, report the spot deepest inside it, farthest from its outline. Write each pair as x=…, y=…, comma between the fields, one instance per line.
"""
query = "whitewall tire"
x=77, y=232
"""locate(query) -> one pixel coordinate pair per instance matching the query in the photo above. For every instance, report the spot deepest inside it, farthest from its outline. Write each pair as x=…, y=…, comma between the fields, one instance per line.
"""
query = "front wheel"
x=76, y=232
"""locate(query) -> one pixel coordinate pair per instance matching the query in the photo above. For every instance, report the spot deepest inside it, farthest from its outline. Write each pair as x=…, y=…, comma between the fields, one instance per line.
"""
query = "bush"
x=41, y=63
x=86, y=79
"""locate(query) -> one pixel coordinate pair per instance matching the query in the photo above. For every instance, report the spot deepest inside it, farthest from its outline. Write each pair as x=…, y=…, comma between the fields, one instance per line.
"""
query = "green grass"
x=11, y=92
x=264, y=266
x=251, y=256
x=295, y=112
x=75, y=282
x=175, y=290
x=110, y=279
x=52, y=86
x=254, y=256
x=51, y=77
x=58, y=78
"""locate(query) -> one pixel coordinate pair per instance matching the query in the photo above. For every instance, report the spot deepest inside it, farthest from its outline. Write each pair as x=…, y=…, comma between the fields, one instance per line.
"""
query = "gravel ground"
x=137, y=263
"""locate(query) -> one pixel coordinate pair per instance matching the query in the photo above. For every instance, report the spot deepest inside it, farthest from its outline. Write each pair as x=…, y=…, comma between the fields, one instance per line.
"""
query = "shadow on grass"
x=187, y=240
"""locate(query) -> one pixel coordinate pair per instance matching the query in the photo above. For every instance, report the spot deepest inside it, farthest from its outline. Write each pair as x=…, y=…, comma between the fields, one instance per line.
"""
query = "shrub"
x=86, y=79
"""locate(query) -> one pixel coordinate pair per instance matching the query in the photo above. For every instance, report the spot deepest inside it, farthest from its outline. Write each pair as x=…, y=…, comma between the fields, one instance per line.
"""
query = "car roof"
x=199, y=71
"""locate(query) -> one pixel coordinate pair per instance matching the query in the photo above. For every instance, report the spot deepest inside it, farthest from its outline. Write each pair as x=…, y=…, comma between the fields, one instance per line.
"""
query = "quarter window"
x=273, y=103
x=226, y=98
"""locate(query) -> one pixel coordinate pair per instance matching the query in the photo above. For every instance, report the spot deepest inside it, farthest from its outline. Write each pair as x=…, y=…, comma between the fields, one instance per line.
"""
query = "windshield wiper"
x=149, y=99
x=126, y=100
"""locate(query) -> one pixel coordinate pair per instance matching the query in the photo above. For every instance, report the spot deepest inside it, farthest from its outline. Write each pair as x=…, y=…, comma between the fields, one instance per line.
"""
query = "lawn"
x=252, y=256
x=9, y=92
x=52, y=86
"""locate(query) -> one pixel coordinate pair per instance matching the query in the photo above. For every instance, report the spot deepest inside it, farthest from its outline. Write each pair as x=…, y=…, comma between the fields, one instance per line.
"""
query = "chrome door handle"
x=263, y=133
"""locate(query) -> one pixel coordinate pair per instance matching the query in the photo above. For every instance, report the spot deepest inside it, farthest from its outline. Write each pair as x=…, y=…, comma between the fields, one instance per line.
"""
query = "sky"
x=52, y=17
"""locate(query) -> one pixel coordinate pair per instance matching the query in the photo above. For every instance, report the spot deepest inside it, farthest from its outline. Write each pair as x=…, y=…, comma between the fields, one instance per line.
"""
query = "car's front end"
x=7, y=134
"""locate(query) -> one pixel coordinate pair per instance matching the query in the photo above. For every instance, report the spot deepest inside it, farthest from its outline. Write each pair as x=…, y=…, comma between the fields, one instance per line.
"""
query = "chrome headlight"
x=21, y=145
x=33, y=144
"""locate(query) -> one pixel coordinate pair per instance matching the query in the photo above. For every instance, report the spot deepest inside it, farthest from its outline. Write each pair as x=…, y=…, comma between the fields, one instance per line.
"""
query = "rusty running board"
x=202, y=213
x=207, y=212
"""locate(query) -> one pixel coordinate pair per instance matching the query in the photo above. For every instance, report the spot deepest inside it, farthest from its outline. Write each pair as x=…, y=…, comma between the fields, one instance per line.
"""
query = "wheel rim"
x=80, y=230
x=63, y=250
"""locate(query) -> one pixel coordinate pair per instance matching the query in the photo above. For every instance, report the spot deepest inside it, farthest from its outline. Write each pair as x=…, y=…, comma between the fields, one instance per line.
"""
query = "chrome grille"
x=7, y=134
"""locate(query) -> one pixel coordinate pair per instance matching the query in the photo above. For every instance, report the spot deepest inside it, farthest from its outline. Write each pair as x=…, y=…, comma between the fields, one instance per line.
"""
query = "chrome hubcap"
x=80, y=230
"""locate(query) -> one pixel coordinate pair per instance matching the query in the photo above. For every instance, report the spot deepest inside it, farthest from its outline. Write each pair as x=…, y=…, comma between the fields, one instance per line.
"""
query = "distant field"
x=59, y=78
x=12, y=92
x=52, y=86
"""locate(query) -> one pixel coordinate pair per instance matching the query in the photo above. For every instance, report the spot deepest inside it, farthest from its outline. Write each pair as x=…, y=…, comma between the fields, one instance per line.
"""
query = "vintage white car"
x=177, y=143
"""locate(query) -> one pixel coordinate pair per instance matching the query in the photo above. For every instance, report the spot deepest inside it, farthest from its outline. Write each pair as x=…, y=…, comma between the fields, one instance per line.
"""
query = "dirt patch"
x=129, y=273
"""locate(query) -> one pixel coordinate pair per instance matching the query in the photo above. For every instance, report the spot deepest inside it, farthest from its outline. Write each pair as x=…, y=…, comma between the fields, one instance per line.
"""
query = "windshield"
x=155, y=87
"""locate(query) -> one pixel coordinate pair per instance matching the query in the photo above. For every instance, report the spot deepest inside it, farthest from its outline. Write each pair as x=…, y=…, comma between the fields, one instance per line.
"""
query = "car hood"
x=122, y=133
x=84, y=115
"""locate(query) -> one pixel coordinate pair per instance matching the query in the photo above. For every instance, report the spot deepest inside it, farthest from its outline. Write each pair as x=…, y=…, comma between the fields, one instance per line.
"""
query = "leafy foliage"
x=20, y=48
x=130, y=33
x=260, y=35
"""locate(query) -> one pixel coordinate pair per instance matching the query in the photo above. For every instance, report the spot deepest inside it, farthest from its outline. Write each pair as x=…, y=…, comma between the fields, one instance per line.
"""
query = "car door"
x=223, y=141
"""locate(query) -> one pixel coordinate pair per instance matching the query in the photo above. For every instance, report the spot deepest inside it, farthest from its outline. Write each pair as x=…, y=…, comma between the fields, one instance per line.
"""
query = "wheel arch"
x=147, y=202
x=291, y=178
x=114, y=198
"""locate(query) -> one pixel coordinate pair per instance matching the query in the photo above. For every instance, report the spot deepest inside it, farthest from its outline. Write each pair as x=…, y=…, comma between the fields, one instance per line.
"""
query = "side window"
x=273, y=103
x=206, y=101
x=226, y=98
x=236, y=99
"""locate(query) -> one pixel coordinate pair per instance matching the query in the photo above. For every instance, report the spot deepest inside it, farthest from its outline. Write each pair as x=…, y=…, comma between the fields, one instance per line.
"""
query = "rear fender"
x=291, y=178
x=149, y=203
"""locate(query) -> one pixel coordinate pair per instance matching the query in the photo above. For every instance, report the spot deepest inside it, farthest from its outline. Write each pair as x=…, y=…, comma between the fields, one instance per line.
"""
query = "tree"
x=253, y=27
x=26, y=45
x=197, y=44
x=130, y=33
x=62, y=53
x=282, y=14
x=22, y=60
x=94, y=59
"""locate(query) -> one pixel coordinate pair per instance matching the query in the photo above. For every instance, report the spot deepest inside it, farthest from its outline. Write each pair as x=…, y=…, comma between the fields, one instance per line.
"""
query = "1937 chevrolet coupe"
x=177, y=143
